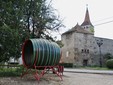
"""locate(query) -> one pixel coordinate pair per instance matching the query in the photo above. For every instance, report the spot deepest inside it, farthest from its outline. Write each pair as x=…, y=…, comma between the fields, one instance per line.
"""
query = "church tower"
x=87, y=25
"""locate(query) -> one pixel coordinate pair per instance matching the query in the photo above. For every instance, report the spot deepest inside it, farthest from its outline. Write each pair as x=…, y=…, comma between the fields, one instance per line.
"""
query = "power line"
x=94, y=25
x=103, y=19
x=104, y=23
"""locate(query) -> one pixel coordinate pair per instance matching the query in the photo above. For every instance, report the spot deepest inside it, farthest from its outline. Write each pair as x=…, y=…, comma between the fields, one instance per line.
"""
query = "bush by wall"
x=109, y=63
x=67, y=65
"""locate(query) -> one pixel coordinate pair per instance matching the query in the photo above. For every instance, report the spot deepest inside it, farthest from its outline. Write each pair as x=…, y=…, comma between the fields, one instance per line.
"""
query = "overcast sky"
x=100, y=11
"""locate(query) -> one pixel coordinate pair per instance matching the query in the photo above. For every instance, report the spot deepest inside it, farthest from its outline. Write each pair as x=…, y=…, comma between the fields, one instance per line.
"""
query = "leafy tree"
x=40, y=15
x=34, y=16
x=24, y=19
x=11, y=13
x=9, y=41
x=108, y=56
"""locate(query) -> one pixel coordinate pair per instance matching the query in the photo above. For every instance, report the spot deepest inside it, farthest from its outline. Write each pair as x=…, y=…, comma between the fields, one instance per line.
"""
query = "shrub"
x=108, y=56
x=109, y=63
x=11, y=72
x=67, y=65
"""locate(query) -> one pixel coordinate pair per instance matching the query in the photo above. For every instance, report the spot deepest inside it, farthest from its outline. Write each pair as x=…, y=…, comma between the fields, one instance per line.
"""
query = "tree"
x=34, y=16
x=108, y=56
x=12, y=29
x=40, y=15
x=9, y=41
x=24, y=19
x=11, y=13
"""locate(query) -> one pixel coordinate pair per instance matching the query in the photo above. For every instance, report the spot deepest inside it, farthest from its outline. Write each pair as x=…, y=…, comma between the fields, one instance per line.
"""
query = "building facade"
x=82, y=48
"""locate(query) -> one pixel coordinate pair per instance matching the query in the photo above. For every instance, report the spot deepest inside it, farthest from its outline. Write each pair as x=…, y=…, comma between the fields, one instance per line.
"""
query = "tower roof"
x=77, y=29
x=87, y=19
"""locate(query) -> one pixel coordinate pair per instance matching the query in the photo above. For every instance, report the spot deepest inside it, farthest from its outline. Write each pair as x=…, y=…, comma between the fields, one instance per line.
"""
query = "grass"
x=10, y=72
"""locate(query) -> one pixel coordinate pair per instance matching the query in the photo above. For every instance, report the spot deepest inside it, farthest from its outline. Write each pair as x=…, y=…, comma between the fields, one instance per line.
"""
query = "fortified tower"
x=87, y=25
x=80, y=45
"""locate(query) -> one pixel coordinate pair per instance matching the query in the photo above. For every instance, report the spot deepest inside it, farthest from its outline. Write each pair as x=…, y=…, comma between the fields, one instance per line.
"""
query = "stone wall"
x=82, y=49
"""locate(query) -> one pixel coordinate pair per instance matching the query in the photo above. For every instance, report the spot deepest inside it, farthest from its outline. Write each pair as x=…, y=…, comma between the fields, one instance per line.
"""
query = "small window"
x=87, y=50
x=82, y=50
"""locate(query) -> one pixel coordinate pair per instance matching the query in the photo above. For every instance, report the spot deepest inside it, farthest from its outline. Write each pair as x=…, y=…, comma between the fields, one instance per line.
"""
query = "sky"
x=73, y=12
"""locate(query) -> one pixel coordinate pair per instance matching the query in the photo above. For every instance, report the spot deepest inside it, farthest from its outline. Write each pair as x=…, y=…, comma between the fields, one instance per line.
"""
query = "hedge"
x=109, y=63
x=67, y=65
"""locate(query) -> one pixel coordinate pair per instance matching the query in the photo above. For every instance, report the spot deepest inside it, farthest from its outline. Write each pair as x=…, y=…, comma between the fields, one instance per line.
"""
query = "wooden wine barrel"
x=41, y=52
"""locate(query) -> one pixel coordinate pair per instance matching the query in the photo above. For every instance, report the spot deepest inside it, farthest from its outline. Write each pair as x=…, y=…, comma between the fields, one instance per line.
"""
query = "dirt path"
x=48, y=79
x=68, y=79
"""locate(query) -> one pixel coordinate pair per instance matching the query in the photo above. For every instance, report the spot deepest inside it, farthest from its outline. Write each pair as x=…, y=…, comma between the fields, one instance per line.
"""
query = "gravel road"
x=68, y=79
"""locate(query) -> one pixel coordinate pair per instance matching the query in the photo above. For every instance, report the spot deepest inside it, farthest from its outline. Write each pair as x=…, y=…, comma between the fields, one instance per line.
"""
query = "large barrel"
x=40, y=52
